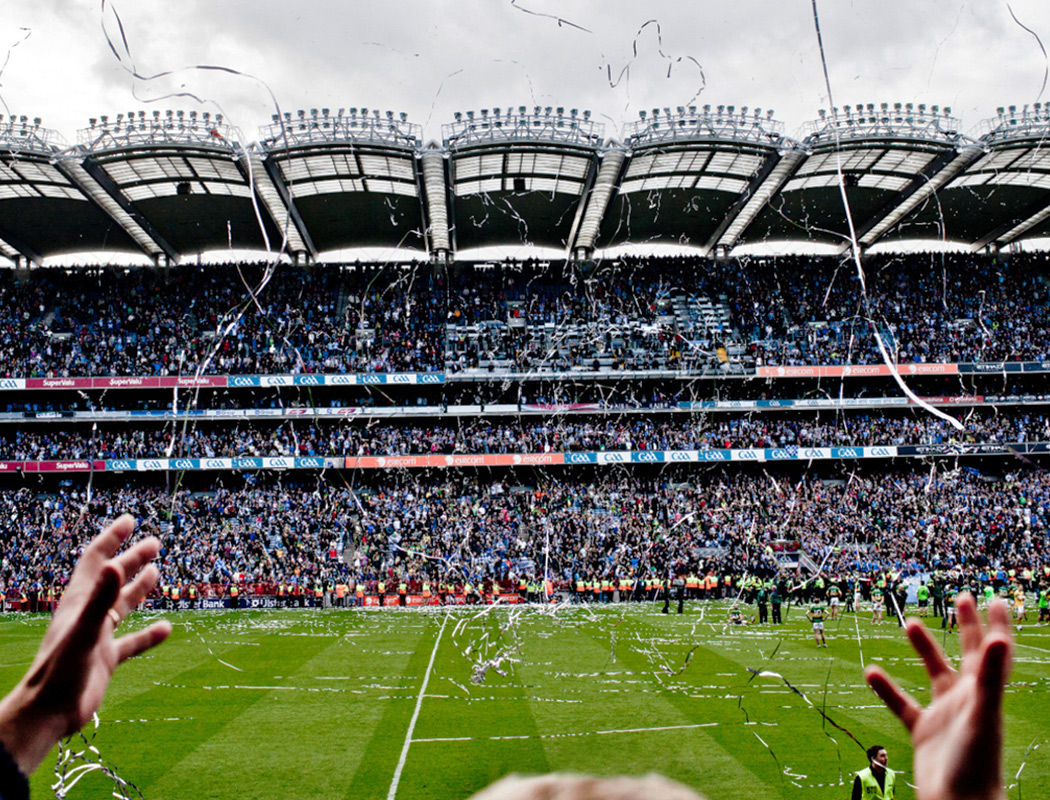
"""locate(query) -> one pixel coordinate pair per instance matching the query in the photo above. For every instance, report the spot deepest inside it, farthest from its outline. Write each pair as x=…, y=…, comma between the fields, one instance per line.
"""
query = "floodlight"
x=105, y=119
x=484, y=112
x=389, y=114
x=180, y=113
x=822, y=113
x=681, y=111
x=218, y=119
x=560, y=111
x=169, y=113
x=769, y=113
x=707, y=108
x=586, y=114
x=156, y=113
x=574, y=112
x=404, y=116
x=458, y=115
x=495, y=111
x=547, y=111
x=935, y=110
x=731, y=109
x=641, y=113
x=521, y=109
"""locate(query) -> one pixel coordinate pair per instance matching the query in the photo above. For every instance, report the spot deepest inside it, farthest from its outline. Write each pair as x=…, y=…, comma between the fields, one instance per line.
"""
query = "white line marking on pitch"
x=415, y=715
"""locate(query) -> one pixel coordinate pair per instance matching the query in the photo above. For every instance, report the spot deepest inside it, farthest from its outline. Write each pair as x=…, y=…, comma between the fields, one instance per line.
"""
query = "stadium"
x=428, y=522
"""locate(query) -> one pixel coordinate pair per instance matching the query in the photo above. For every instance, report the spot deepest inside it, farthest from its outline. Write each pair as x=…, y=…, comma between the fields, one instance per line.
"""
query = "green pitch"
x=330, y=704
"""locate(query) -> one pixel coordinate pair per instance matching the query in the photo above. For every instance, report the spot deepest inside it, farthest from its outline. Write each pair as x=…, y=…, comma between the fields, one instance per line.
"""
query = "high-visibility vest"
x=426, y=589
x=234, y=591
x=402, y=588
x=869, y=786
x=360, y=589
x=382, y=587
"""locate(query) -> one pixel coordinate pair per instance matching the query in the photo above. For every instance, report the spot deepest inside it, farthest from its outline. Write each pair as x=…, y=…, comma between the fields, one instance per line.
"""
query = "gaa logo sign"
x=614, y=458
x=435, y=377
x=213, y=463
x=880, y=451
x=812, y=452
x=748, y=455
x=581, y=458
x=120, y=465
x=713, y=455
x=8, y=383
x=340, y=380
x=241, y=380
x=152, y=464
x=647, y=456
x=679, y=456
x=401, y=379
x=181, y=463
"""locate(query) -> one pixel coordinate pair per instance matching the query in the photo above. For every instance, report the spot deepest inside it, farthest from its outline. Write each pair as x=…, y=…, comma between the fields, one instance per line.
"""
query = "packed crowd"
x=461, y=528
x=788, y=310
x=523, y=435
x=230, y=319
x=626, y=313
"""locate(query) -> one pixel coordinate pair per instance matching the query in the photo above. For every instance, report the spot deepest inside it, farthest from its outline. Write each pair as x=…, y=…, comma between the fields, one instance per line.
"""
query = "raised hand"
x=68, y=679
x=957, y=739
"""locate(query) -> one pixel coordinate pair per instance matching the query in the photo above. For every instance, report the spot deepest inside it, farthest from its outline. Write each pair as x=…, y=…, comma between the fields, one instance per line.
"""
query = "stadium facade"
x=175, y=184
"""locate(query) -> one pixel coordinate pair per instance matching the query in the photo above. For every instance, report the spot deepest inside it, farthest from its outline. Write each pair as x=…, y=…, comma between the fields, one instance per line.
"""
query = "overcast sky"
x=430, y=58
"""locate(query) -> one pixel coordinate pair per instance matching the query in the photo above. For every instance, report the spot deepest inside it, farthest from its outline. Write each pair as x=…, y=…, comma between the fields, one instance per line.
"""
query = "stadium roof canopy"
x=174, y=185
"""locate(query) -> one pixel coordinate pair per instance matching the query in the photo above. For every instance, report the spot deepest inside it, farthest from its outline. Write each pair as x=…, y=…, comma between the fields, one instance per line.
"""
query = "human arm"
x=68, y=678
x=958, y=739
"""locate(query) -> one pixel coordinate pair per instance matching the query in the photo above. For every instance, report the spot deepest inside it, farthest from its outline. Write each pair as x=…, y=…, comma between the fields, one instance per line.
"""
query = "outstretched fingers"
x=999, y=618
x=942, y=676
x=140, y=641
x=993, y=669
x=896, y=699
x=135, y=592
x=107, y=544
x=138, y=555
x=970, y=630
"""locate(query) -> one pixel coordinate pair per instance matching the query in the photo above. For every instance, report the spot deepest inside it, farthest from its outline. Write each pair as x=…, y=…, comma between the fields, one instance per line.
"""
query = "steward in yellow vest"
x=876, y=782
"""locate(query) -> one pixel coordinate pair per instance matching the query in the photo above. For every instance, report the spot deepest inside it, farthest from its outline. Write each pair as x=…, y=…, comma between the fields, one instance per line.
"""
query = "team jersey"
x=876, y=595
x=816, y=613
x=834, y=591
